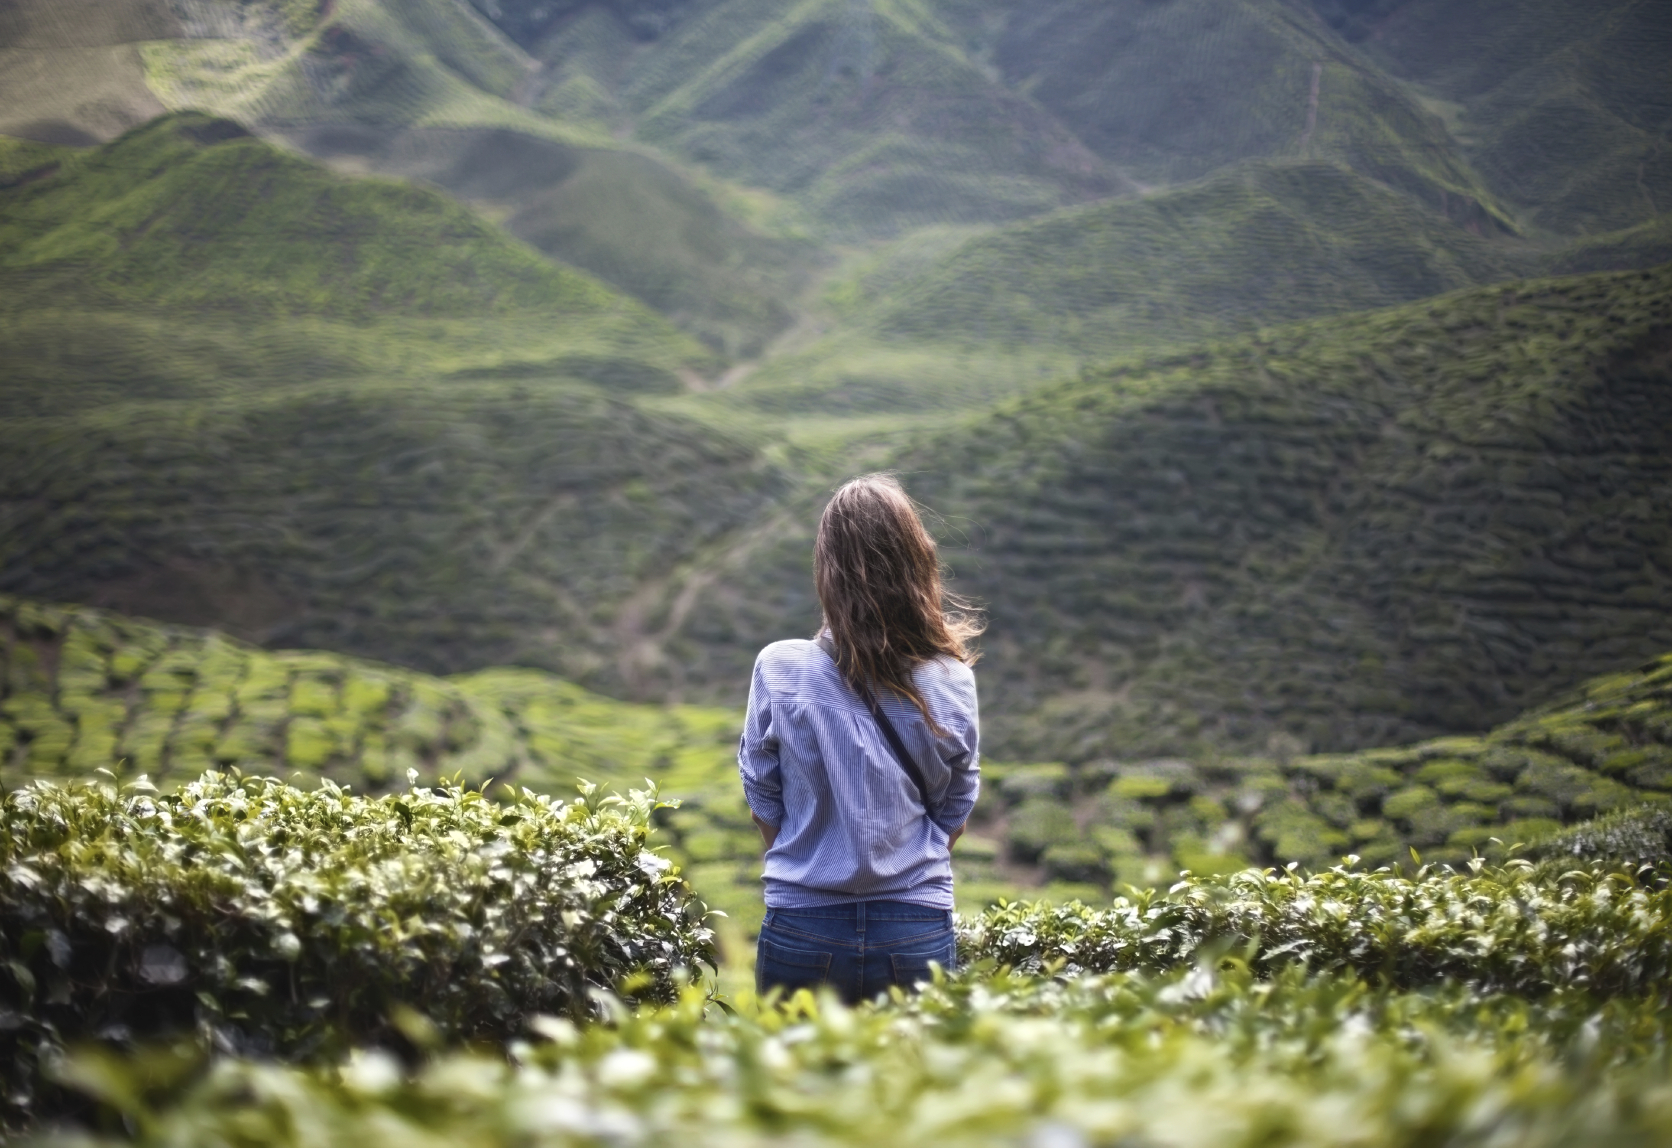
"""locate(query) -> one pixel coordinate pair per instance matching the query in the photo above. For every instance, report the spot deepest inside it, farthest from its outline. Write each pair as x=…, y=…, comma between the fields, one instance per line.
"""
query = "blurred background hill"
x=1292, y=376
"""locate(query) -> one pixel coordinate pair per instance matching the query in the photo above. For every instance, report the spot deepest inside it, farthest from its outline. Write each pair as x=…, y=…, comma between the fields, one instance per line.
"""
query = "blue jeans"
x=858, y=950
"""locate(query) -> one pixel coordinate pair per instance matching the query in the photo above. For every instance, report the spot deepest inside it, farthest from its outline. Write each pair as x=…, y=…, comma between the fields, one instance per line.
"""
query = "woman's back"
x=852, y=824
x=860, y=758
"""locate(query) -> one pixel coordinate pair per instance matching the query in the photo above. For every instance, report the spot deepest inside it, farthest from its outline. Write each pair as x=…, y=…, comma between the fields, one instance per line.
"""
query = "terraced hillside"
x=640, y=224
x=239, y=389
x=1606, y=747
x=1350, y=532
x=190, y=258
x=422, y=91
x=1580, y=87
x=442, y=526
x=701, y=155
x=1261, y=244
x=83, y=690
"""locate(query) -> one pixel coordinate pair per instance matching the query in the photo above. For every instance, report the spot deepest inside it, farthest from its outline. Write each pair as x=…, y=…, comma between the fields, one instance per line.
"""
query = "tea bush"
x=275, y=921
x=1631, y=838
x=83, y=689
x=1203, y=1056
x=1592, y=756
x=1516, y=928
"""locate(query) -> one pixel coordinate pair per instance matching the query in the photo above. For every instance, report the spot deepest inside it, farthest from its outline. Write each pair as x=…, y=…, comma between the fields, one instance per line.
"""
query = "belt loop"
x=859, y=917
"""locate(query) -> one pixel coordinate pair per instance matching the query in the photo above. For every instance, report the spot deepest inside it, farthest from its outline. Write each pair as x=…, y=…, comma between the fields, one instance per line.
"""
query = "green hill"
x=193, y=214
x=190, y=258
x=1170, y=92
x=1356, y=531
x=951, y=318
x=443, y=525
x=1562, y=107
x=240, y=389
x=427, y=91
x=1606, y=747
x=1292, y=162
x=637, y=223
x=1262, y=244
x=874, y=117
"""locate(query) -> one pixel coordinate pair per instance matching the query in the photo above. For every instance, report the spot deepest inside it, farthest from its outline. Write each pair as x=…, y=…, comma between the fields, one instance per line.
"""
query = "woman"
x=859, y=758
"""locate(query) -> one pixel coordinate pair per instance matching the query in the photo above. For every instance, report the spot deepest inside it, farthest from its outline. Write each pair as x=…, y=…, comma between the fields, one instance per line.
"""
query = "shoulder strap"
x=889, y=733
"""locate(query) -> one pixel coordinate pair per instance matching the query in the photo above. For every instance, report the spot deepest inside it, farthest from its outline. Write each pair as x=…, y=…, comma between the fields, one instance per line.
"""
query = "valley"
x=1266, y=403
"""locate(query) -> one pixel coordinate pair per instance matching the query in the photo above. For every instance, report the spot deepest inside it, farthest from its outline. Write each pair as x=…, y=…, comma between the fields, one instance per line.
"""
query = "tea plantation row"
x=1194, y=1059
x=252, y=919
x=85, y=689
x=1607, y=746
x=273, y=921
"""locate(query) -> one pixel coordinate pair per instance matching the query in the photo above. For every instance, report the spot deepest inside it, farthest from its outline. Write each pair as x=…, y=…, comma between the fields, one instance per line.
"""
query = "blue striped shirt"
x=851, y=824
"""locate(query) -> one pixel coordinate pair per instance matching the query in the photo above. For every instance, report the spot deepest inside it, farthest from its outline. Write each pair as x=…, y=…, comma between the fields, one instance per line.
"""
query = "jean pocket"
x=913, y=968
x=781, y=966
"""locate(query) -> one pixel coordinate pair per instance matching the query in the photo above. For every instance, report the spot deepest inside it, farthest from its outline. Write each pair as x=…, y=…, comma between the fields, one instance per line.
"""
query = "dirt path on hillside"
x=657, y=611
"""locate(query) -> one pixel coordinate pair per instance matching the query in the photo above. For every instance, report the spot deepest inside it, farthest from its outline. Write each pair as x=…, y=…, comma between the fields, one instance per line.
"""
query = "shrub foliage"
x=1196, y=1058
x=1517, y=928
x=274, y=921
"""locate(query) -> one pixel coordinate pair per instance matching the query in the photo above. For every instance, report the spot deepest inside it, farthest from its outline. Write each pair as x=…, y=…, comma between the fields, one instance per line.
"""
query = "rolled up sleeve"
x=963, y=757
x=757, y=756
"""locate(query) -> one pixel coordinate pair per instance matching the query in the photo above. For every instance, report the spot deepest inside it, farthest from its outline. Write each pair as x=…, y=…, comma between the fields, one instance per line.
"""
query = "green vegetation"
x=1171, y=92
x=638, y=223
x=1630, y=838
x=440, y=525
x=1199, y=1056
x=84, y=690
x=192, y=215
x=286, y=923
x=1261, y=244
x=188, y=259
x=87, y=690
x=1358, y=531
x=1562, y=107
x=1515, y=930
x=1607, y=749
x=581, y=423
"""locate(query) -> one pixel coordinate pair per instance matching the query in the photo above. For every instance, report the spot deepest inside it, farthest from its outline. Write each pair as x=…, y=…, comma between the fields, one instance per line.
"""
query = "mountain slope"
x=950, y=317
x=633, y=221
x=1171, y=92
x=1262, y=244
x=429, y=91
x=411, y=438
x=1563, y=107
x=1356, y=531
x=443, y=526
x=190, y=258
x=191, y=213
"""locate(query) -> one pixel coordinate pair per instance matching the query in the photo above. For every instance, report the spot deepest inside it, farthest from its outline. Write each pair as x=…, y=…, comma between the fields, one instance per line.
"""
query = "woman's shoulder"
x=790, y=657
x=945, y=673
x=789, y=650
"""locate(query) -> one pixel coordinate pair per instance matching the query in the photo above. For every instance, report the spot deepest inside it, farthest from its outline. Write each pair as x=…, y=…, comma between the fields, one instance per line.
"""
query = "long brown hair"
x=878, y=579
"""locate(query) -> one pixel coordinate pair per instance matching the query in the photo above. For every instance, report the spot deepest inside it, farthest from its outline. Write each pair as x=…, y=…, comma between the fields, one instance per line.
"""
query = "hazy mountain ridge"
x=1563, y=107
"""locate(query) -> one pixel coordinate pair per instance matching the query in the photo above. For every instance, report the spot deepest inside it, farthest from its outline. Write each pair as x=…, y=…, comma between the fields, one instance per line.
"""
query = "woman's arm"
x=757, y=762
